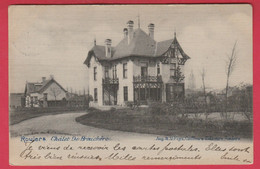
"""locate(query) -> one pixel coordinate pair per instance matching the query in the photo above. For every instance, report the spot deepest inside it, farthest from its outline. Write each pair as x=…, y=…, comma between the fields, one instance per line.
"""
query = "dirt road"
x=65, y=124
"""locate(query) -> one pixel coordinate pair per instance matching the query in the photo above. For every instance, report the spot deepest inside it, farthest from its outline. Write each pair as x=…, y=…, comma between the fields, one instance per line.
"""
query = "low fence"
x=44, y=109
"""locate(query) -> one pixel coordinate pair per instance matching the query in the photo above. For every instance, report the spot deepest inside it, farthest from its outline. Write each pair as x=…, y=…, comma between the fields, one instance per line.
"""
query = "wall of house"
x=133, y=69
x=54, y=90
x=152, y=71
x=30, y=100
x=95, y=83
x=125, y=81
x=165, y=72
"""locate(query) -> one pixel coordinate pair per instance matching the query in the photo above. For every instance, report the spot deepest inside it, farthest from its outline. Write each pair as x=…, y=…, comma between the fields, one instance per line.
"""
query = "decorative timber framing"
x=147, y=87
x=175, y=51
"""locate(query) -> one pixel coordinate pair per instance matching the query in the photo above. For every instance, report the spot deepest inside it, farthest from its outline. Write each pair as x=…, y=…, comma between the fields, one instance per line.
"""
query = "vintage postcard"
x=130, y=84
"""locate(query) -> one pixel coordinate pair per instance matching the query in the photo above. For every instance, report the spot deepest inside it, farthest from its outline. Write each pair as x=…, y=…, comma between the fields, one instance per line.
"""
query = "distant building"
x=48, y=93
x=16, y=100
x=192, y=81
x=137, y=69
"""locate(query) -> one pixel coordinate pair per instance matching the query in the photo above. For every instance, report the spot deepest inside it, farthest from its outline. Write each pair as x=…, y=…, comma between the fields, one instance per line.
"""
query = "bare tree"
x=203, y=74
x=178, y=78
x=230, y=65
x=55, y=92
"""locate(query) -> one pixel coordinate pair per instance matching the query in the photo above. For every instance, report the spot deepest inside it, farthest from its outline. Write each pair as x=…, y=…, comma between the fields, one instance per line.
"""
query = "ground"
x=120, y=125
x=164, y=121
x=66, y=124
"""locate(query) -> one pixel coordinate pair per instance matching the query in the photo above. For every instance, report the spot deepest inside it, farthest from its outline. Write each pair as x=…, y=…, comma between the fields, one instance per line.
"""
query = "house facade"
x=138, y=69
x=47, y=93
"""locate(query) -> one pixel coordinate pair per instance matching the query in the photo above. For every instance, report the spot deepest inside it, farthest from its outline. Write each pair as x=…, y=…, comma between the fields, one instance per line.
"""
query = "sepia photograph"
x=130, y=84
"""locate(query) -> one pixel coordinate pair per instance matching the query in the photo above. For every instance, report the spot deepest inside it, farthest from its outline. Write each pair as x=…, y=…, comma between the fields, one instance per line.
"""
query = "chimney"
x=151, y=30
x=108, y=43
x=125, y=32
x=130, y=28
x=43, y=79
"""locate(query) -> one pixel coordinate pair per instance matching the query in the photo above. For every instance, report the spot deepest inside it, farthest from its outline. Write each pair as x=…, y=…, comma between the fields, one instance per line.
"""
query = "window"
x=125, y=93
x=144, y=71
x=171, y=93
x=173, y=69
x=158, y=69
x=95, y=73
x=106, y=72
x=114, y=72
x=95, y=95
x=45, y=96
x=125, y=70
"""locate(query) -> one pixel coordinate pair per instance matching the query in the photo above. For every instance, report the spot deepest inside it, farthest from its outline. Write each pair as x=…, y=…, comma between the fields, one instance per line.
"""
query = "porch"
x=147, y=88
x=110, y=90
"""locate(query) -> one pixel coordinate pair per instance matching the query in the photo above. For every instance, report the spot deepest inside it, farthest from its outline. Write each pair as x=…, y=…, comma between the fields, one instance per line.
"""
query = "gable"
x=49, y=84
x=175, y=51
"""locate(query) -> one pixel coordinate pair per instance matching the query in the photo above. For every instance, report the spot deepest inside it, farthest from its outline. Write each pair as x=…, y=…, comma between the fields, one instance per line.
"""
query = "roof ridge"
x=141, y=44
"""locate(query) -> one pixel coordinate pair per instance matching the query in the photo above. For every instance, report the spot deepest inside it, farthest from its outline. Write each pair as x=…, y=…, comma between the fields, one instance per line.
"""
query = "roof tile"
x=141, y=45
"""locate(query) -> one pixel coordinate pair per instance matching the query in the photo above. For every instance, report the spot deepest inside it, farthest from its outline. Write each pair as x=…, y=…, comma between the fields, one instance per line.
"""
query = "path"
x=65, y=124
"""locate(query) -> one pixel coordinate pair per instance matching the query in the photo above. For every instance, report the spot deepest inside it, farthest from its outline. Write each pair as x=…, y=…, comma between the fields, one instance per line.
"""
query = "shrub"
x=172, y=109
x=112, y=109
x=129, y=104
x=157, y=108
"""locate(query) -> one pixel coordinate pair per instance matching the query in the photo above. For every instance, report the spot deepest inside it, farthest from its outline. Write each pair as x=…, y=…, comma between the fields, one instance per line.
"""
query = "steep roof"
x=162, y=47
x=32, y=87
x=99, y=52
x=140, y=45
x=36, y=87
x=178, y=46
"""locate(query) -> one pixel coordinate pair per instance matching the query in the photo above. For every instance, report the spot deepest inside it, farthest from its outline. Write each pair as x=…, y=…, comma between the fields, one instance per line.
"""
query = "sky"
x=54, y=40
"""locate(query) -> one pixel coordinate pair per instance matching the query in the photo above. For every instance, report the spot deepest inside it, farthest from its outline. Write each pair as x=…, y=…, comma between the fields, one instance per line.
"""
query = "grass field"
x=141, y=120
x=19, y=115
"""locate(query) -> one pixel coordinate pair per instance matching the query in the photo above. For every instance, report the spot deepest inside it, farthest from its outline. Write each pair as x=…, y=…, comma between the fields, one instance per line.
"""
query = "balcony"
x=148, y=79
x=110, y=80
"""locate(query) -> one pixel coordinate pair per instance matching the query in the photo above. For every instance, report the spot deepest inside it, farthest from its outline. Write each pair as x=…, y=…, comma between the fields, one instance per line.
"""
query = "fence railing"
x=110, y=81
x=147, y=78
